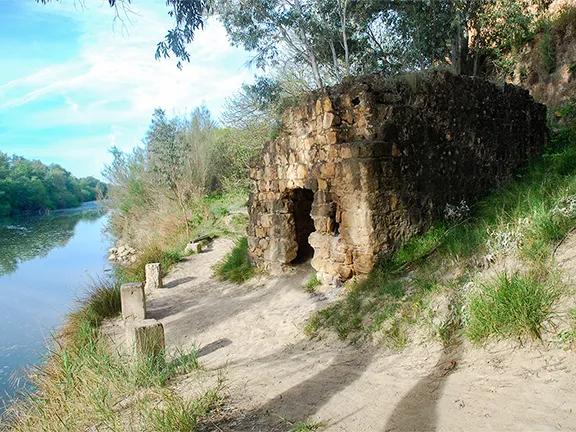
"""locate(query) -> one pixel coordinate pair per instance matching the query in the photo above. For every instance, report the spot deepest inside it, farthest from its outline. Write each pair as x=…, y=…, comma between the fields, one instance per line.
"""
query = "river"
x=45, y=263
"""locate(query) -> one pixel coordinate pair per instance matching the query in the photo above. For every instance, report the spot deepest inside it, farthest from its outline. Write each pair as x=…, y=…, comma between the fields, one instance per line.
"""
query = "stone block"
x=133, y=301
x=327, y=170
x=327, y=104
x=328, y=119
x=153, y=277
x=301, y=172
x=145, y=337
x=331, y=137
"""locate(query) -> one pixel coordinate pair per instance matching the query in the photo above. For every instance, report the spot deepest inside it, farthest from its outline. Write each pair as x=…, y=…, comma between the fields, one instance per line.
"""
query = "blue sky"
x=74, y=81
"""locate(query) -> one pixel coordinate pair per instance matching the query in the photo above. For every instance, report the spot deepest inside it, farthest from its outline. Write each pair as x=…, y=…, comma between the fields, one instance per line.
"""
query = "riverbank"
x=239, y=360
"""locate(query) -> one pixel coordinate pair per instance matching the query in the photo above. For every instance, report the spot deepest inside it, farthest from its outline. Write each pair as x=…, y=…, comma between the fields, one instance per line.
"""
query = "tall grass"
x=236, y=267
x=511, y=307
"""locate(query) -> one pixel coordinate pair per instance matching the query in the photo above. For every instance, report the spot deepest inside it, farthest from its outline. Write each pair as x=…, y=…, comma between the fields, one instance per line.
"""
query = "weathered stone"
x=145, y=337
x=359, y=169
x=153, y=277
x=327, y=104
x=133, y=301
x=331, y=137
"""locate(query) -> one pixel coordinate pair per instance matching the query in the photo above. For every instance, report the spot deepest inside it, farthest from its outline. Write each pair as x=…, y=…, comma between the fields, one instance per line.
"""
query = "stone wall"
x=360, y=168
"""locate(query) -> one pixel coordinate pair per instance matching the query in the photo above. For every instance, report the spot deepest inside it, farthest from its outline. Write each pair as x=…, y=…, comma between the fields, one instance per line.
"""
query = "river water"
x=45, y=263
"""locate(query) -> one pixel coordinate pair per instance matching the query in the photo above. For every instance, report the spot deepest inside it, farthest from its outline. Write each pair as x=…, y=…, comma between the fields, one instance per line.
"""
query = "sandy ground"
x=275, y=377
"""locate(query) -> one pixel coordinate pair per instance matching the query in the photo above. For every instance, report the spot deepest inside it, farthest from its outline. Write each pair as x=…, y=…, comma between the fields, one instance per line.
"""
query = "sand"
x=275, y=377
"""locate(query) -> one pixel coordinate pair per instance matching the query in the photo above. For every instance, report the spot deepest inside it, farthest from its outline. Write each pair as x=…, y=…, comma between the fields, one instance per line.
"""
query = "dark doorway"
x=304, y=225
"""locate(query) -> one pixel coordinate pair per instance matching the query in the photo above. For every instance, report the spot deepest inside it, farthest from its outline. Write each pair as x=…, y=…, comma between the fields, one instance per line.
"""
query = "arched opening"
x=303, y=223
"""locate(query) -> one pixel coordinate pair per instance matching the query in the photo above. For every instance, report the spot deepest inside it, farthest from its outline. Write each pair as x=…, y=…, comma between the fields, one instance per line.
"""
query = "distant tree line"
x=30, y=186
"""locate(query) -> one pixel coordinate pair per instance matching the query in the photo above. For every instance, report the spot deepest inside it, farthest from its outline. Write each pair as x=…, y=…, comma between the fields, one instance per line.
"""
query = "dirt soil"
x=276, y=377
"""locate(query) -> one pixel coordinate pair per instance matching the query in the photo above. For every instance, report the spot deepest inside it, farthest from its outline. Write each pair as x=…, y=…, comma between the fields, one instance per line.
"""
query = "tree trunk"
x=335, y=60
x=309, y=49
x=345, y=37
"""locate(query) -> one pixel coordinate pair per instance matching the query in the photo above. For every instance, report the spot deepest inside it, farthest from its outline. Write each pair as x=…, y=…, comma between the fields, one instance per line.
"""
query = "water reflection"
x=28, y=237
x=44, y=263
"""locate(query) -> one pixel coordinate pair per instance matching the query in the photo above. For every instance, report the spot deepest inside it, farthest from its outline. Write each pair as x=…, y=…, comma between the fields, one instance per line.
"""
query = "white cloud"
x=114, y=83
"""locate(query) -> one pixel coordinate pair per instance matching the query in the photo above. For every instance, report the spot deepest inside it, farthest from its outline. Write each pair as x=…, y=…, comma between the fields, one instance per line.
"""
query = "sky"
x=74, y=81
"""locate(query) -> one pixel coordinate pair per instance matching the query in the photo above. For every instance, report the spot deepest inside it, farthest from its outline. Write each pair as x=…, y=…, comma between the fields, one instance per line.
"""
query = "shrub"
x=548, y=50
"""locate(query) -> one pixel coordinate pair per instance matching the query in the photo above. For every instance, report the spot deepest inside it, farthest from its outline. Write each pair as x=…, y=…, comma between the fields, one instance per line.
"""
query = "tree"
x=457, y=31
x=269, y=27
x=179, y=153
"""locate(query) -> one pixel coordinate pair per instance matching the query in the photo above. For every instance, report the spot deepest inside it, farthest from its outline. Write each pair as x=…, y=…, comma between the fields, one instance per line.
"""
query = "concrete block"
x=145, y=337
x=153, y=277
x=133, y=301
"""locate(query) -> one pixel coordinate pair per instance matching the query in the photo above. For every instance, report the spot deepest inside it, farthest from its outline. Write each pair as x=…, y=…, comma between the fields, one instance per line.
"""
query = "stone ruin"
x=359, y=168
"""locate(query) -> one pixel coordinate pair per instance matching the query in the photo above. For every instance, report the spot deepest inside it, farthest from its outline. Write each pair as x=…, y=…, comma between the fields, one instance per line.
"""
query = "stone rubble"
x=123, y=255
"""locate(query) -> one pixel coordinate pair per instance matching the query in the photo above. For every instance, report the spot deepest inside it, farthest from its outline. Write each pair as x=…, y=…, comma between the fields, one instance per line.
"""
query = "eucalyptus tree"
x=269, y=28
x=337, y=38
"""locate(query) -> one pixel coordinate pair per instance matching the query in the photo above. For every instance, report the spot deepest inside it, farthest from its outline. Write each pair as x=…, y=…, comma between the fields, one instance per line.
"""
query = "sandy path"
x=276, y=377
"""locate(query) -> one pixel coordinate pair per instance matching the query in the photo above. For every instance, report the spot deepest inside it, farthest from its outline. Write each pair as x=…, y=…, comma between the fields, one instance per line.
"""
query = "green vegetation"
x=568, y=336
x=307, y=426
x=511, y=307
x=236, y=267
x=311, y=285
x=84, y=384
x=31, y=186
x=547, y=49
x=523, y=221
x=186, y=180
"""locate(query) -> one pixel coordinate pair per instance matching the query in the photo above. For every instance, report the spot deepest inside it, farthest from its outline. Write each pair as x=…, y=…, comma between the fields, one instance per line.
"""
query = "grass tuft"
x=568, y=336
x=308, y=425
x=177, y=414
x=236, y=266
x=311, y=285
x=511, y=307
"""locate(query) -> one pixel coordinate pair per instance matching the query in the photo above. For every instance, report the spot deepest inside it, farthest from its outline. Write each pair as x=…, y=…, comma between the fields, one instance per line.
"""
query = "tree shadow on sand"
x=304, y=399
x=417, y=411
